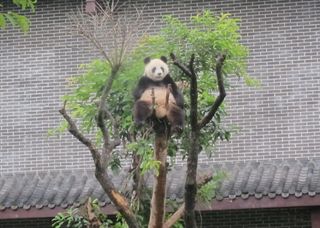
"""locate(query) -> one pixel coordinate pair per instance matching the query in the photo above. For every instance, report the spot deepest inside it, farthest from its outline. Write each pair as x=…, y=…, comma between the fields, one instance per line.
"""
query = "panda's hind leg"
x=175, y=117
x=142, y=111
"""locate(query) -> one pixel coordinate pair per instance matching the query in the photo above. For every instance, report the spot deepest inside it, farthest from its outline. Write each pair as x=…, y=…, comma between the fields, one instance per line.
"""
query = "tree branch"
x=181, y=66
x=119, y=200
x=104, y=113
x=113, y=34
x=175, y=217
x=192, y=161
x=116, y=140
x=191, y=65
x=73, y=129
x=222, y=93
x=179, y=213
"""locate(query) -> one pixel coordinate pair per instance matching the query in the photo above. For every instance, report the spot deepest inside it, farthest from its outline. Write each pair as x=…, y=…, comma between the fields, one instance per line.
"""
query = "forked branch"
x=180, y=65
x=103, y=113
x=192, y=161
x=104, y=179
x=113, y=34
x=222, y=93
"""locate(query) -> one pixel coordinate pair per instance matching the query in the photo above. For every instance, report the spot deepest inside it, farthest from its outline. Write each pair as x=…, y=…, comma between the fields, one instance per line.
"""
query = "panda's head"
x=156, y=69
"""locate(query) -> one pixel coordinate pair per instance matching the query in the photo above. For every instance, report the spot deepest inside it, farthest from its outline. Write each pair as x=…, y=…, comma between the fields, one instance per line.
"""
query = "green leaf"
x=10, y=18
x=24, y=4
x=23, y=22
x=17, y=20
x=2, y=21
x=208, y=191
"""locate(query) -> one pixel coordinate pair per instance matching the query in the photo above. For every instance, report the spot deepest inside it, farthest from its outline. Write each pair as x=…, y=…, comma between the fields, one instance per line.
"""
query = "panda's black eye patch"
x=154, y=70
x=162, y=69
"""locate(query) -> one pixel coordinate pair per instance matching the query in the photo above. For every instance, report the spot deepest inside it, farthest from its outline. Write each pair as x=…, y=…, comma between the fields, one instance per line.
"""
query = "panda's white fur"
x=156, y=69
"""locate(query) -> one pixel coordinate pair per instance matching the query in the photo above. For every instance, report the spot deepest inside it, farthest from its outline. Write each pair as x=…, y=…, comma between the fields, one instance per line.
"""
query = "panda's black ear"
x=164, y=59
x=147, y=60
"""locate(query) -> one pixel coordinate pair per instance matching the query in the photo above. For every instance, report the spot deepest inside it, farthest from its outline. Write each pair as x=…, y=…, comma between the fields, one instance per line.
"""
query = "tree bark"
x=118, y=200
x=159, y=187
x=180, y=212
x=175, y=217
x=192, y=161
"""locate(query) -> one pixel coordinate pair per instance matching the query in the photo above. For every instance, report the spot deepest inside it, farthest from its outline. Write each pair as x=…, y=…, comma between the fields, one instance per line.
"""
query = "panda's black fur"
x=143, y=111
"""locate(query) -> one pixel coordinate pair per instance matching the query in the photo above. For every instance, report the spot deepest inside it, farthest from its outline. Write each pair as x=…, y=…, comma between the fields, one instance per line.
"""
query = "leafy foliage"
x=206, y=36
x=16, y=19
x=70, y=218
x=145, y=150
x=78, y=217
x=208, y=191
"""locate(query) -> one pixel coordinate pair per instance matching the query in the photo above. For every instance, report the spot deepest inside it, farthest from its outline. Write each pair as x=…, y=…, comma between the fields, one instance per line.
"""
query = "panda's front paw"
x=177, y=129
x=138, y=123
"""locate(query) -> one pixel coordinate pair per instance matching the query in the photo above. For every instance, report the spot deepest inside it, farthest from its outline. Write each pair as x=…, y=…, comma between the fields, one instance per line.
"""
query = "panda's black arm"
x=179, y=98
x=175, y=91
x=143, y=84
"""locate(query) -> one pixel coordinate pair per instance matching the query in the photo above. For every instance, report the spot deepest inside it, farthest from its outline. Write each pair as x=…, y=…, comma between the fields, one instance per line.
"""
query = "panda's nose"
x=159, y=73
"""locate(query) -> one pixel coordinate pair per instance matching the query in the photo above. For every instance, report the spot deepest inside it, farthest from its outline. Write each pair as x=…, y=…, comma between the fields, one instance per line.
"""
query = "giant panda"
x=157, y=96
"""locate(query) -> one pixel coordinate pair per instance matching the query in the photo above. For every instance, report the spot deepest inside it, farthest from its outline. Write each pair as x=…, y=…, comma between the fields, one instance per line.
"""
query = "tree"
x=209, y=44
x=16, y=19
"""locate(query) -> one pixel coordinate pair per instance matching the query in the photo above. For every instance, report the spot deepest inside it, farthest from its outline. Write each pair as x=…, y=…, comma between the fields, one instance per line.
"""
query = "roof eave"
x=265, y=202
x=216, y=205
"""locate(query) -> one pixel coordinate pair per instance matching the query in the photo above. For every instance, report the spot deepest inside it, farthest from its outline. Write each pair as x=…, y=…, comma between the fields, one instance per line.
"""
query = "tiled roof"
x=244, y=179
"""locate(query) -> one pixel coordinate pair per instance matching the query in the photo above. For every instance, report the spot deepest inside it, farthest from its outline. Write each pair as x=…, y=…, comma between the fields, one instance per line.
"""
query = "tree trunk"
x=192, y=162
x=117, y=199
x=191, y=183
x=159, y=187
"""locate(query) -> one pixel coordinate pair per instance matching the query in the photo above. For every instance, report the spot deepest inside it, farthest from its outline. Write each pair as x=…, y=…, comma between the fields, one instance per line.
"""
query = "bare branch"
x=113, y=34
x=181, y=66
x=191, y=65
x=73, y=129
x=222, y=93
x=104, y=113
x=85, y=25
x=116, y=141
x=103, y=128
x=116, y=197
x=175, y=217
x=110, y=32
x=179, y=213
x=101, y=172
